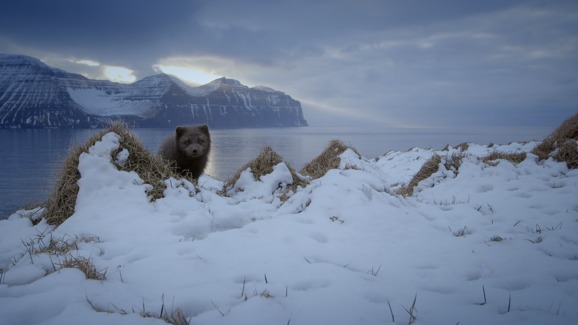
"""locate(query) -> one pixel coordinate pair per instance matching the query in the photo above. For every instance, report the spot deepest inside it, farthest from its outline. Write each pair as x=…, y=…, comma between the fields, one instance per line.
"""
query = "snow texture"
x=486, y=244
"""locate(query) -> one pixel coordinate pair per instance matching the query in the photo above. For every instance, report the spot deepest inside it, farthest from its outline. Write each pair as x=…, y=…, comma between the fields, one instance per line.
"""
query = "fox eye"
x=186, y=142
x=200, y=141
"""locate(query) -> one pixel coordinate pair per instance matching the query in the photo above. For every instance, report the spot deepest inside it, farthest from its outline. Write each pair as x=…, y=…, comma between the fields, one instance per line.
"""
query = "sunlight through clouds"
x=196, y=70
x=119, y=74
x=318, y=112
x=187, y=74
x=94, y=69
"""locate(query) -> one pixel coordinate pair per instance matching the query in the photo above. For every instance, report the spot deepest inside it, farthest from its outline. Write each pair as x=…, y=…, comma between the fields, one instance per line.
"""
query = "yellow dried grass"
x=429, y=168
x=85, y=265
x=514, y=157
x=151, y=168
x=564, y=139
x=328, y=159
x=262, y=165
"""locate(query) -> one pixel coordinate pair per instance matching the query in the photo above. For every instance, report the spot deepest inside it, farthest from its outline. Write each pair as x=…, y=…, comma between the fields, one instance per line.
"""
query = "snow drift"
x=485, y=241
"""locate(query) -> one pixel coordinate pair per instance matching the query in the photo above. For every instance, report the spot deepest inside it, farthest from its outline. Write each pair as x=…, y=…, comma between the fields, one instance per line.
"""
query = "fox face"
x=193, y=142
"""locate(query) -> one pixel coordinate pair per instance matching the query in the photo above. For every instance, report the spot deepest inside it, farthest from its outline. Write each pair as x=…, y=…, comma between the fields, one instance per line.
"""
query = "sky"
x=391, y=63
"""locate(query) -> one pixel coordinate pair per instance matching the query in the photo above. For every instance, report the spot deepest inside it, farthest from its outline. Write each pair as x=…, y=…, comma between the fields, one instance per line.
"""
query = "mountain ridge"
x=35, y=95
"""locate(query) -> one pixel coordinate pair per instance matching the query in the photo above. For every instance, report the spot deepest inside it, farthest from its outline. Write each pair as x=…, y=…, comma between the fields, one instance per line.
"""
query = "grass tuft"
x=263, y=165
x=454, y=162
x=176, y=317
x=462, y=232
x=561, y=144
x=151, y=168
x=429, y=168
x=514, y=157
x=328, y=159
x=568, y=152
x=85, y=265
x=57, y=246
x=462, y=147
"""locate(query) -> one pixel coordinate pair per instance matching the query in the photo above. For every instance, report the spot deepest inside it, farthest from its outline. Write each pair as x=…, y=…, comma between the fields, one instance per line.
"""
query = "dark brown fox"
x=188, y=148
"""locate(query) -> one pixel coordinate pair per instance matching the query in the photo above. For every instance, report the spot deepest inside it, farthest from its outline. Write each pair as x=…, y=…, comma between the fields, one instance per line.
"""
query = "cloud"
x=196, y=69
x=411, y=62
x=87, y=62
x=193, y=75
x=119, y=74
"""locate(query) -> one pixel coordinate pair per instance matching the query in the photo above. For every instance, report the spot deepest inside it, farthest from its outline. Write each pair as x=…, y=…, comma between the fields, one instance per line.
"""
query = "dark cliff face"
x=31, y=96
x=226, y=103
x=34, y=95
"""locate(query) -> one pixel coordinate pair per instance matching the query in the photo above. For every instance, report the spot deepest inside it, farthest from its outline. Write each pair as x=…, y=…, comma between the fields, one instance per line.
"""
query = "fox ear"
x=180, y=130
x=204, y=128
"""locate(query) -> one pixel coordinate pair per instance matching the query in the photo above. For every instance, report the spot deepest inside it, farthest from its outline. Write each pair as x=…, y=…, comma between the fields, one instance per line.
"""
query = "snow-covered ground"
x=494, y=244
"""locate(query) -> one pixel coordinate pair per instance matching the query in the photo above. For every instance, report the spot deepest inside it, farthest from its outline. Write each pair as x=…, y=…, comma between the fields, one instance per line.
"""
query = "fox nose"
x=194, y=150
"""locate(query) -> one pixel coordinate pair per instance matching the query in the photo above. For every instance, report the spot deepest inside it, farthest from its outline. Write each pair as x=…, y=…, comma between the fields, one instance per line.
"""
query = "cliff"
x=34, y=95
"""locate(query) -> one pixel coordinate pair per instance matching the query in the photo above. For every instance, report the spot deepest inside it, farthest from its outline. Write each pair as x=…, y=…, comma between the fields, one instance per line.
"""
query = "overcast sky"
x=350, y=62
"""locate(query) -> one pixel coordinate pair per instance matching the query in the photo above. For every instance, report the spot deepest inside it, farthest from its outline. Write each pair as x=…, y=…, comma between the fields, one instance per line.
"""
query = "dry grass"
x=462, y=147
x=57, y=247
x=60, y=248
x=176, y=317
x=328, y=159
x=151, y=168
x=564, y=139
x=514, y=157
x=263, y=165
x=568, y=152
x=454, y=162
x=85, y=265
x=429, y=168
x=62, y=199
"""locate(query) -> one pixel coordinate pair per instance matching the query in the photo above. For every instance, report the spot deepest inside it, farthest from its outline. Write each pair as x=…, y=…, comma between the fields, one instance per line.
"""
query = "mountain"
x=34, y=95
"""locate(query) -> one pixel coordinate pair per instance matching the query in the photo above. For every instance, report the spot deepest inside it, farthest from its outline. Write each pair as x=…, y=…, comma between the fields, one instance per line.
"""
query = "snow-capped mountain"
x=34, y=95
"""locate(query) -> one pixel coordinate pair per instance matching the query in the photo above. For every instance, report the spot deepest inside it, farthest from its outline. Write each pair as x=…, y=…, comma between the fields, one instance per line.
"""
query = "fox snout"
x=194, y=151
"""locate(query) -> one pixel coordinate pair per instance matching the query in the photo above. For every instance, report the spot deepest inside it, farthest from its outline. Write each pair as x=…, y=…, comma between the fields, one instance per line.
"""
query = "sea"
x=30, y=160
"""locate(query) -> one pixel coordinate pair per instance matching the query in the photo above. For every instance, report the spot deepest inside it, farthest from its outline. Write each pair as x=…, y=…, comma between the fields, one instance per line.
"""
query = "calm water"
x=30, y=159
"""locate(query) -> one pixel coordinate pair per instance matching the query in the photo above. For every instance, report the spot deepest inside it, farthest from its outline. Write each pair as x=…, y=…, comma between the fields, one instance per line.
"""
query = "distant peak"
x=226, y=82
x=21, y=59
x=161, y=76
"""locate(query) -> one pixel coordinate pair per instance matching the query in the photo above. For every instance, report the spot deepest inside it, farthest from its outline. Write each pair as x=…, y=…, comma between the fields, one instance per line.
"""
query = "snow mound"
x=485, y=242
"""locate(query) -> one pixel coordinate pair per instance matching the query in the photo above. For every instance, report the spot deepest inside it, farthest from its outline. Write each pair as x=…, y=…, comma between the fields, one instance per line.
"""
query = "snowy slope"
x=493, y=244
x=139, y=99
x=206, y=90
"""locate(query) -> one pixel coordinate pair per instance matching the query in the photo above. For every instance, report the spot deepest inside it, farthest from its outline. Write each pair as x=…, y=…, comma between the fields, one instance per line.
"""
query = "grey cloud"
x=410, y=62
x=118, y=32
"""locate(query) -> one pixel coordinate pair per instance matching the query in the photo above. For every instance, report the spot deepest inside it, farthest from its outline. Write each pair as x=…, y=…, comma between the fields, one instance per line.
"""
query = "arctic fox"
x=188, y=148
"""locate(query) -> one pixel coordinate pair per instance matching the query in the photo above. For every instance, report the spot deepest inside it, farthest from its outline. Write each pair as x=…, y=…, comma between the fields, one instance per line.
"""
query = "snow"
x=212, y=86
x=491, y=244
x=207, y=89
x=265, y=89
x=113, y=99
x=99, y=102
